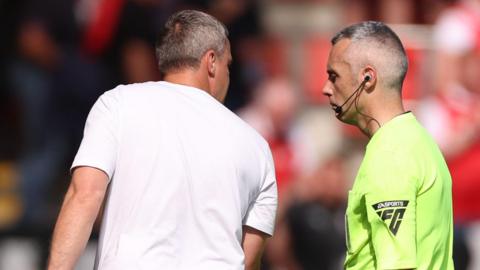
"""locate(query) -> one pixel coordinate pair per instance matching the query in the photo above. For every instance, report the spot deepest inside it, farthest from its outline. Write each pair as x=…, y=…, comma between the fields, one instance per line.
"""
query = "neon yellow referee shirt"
x=399, y=213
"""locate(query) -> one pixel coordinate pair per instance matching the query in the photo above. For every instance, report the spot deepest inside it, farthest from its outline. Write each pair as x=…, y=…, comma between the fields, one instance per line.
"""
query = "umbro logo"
x=393, y=211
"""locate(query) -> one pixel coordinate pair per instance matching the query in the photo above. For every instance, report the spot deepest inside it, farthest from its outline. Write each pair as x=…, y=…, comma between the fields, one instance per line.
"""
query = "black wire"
x=356, y=108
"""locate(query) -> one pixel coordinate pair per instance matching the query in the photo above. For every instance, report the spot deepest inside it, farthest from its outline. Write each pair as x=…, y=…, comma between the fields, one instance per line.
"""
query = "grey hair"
x=381, y=38
x=186, y=37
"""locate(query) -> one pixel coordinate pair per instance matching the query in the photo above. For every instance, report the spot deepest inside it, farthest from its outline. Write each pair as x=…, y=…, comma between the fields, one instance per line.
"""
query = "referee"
x=399, y=213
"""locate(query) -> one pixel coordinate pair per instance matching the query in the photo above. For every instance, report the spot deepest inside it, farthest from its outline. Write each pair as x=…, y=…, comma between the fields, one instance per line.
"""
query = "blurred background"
x=58, y=56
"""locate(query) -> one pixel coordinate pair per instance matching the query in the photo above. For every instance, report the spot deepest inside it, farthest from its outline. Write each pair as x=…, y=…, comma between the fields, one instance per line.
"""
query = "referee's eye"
x=332, y=77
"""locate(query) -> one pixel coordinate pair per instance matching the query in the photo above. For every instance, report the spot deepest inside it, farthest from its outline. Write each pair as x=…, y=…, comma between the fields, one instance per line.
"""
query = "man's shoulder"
x=151, y=91
x=252, y=132
x=133, y=88
x=122, y=89
x=401, y=141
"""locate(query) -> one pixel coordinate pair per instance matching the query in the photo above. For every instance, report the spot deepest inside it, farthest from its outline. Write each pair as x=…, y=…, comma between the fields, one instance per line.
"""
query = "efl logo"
x=393, y=211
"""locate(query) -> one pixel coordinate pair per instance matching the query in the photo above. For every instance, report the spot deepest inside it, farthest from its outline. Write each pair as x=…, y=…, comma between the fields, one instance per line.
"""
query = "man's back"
x=186, y=175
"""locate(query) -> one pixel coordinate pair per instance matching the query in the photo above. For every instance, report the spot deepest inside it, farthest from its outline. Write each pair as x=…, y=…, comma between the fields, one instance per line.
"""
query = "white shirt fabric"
x=186, y=174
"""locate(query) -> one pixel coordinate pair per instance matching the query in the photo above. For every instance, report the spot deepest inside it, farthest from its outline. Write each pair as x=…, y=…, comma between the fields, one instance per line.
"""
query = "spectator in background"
x=52, y=84
x=121, y=35
x=242, y=18
x=452, y=116
x=271, y=112
x=315, y=216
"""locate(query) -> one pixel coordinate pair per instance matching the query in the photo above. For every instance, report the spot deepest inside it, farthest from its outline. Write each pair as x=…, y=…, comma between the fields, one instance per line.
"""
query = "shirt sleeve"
x=261, y=215
x=98, y=148
x=391, y=211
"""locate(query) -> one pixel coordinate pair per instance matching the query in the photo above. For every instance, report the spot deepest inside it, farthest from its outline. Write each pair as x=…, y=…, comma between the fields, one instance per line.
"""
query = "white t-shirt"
x=186, y=174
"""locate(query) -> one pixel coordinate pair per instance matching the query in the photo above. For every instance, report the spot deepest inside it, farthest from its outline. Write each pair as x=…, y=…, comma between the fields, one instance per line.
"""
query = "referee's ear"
x=369, y=78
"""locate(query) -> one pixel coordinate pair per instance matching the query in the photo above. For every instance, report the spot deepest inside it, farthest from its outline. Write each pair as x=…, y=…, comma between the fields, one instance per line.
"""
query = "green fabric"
x=399, y=213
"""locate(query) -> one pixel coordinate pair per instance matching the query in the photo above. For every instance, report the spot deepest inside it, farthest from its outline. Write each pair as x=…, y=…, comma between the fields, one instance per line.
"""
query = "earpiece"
x=339, y=109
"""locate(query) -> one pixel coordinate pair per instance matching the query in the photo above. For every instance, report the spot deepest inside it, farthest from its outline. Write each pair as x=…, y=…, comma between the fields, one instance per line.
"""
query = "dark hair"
x=186, y=37
x=379, y=34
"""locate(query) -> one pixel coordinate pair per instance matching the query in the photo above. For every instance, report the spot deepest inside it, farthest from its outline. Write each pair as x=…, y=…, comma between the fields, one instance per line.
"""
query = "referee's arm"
x=79, y=210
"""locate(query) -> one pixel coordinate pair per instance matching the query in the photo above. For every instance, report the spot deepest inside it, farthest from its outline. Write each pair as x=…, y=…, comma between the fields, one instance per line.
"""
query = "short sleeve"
x=261, y=215
x=391, y=211
x=98, y=148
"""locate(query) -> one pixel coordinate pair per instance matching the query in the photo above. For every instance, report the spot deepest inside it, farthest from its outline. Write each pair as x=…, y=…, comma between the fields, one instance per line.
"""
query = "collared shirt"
x=399, y=213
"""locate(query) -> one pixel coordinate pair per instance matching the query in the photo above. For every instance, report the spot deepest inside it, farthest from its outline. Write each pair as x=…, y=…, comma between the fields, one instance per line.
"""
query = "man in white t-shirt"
x=186, y=183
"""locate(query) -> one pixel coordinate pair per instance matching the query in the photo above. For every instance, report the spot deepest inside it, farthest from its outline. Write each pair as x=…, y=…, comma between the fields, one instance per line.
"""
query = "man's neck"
x=371, y=120
x=187, y=78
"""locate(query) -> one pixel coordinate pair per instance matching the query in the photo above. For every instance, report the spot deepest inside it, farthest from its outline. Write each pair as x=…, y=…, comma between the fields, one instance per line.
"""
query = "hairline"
x=358, y=37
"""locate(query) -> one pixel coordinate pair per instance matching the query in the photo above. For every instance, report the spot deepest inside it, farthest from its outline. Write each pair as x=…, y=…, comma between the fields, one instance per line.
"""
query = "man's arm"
x=79, y=210
x=253, y=244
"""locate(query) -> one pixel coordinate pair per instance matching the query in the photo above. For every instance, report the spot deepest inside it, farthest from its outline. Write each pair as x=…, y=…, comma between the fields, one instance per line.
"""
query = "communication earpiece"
x=339, y=109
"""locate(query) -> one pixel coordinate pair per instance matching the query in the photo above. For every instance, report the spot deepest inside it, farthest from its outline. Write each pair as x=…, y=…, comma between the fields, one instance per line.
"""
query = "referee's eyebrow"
x=330, y=69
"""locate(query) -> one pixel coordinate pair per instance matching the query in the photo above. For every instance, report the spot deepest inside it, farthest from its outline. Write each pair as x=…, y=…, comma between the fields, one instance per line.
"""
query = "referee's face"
x=339, y=86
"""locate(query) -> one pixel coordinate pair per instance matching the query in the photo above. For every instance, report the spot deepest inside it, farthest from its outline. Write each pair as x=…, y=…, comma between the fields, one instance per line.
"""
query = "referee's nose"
x=327, y=89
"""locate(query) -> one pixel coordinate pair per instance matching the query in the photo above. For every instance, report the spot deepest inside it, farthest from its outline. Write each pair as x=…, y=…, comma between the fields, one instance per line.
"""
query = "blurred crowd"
x=58, y=56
